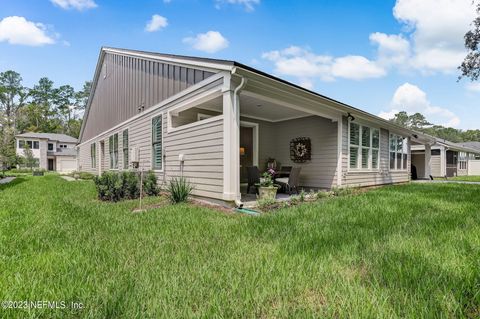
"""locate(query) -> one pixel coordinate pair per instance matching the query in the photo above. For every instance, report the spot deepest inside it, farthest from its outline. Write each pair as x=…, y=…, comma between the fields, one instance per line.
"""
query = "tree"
x=401, y=118
x=470, y=66
x=415, y=121
x=30, y=160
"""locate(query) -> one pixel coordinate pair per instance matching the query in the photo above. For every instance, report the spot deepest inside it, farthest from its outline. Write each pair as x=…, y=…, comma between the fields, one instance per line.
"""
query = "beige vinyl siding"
x=369, y=178
x=201, y=144
x=436, y=166
x=274, y=141
x=84, y=159
x=127, y=83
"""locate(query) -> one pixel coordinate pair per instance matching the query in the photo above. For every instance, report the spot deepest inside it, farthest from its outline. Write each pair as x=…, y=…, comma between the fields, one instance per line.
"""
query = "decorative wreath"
x=300, y=149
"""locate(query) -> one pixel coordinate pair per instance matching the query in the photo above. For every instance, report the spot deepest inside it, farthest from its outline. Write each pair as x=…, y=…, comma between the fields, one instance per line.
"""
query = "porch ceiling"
x=257, y=108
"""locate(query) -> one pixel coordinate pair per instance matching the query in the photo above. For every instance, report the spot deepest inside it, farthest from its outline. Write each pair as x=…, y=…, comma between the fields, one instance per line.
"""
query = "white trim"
x=255, y=139
x=339, y=151
x=204, y=66
x=163, y=103
x=193, y=124
x=151, y=143
x=191, y=103
x=359, y=168
x=203, y=116
x=396, y=152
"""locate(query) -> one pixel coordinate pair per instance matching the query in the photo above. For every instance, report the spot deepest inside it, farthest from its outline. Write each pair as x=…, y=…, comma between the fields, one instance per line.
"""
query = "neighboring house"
x=208, y=119
x=447, y=159
x=54, y=152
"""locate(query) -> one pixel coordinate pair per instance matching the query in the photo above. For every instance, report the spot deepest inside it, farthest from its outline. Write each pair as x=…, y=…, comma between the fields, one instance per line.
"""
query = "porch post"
x=428, y=160
x=443, y=161
x=231, y=145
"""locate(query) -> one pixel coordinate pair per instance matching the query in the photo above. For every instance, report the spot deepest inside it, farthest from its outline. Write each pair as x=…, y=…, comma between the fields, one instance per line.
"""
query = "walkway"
x=7, y=180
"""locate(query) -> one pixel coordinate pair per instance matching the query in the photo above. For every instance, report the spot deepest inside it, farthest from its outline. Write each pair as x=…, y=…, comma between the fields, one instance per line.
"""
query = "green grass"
x=410, y=251
x=465, y=178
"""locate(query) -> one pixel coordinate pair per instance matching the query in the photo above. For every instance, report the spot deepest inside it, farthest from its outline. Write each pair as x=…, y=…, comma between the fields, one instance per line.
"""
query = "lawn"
x=465, y=178
x=410, y=251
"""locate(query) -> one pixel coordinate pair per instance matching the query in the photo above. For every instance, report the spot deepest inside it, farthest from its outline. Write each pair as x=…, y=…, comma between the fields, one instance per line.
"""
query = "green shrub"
x=130, y=185
x=344, y=191
x=25, y=170
x=179, y=189
x=150, y=186
x=109, y=186
x=82, y=175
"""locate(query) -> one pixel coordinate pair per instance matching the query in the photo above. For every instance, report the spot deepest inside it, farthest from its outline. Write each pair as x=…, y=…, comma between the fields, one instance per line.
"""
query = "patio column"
x=231, y=147
x=443, y=161
x=428, y=161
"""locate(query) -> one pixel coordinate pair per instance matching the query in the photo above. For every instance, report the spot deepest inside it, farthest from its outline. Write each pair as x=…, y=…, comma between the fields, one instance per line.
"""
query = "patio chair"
x=253, y=178
x=291, y=182
x=284, y=171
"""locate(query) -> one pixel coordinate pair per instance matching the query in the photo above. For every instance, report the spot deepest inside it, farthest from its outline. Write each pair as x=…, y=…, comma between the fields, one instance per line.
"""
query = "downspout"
x=238, y=201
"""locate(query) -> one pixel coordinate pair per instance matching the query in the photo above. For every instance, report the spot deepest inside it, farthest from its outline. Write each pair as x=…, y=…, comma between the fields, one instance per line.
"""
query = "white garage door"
x=474, y=167
x=66, y=164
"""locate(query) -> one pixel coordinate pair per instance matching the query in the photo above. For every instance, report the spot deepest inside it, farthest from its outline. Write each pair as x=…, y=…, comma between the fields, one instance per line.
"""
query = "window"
x=125, y=149
x=63, y=145
x=21, y=144
x=364, y=147
x=36, y=145
x=398, y=152
x=93, y=155
x=30, y=144
x=113, y=151
x=157, y=161
x=462, y=160
x=435, y=152
x=50, y=146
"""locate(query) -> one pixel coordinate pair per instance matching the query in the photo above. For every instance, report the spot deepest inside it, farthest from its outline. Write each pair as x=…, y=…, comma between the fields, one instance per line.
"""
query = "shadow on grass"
x=15, y=182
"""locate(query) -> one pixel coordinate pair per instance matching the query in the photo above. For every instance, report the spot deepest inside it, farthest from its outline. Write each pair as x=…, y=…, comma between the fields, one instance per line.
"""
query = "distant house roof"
x=50, y=136
x=474, y=145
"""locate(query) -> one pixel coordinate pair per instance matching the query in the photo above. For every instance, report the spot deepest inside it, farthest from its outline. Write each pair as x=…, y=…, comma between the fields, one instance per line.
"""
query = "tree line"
x=43, y=108
x=418, y=122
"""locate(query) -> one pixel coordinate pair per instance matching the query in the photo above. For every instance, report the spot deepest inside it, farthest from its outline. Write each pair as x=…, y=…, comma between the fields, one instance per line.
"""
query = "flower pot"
x=267, y=192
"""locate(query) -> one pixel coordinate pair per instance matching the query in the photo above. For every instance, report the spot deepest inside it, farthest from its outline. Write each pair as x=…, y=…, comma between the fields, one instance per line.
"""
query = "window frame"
x=404, y=139
x=462, y=159
x=21, y=144
x=359, y=147
x=125, y=150
x=152, y=162
x=111, y=150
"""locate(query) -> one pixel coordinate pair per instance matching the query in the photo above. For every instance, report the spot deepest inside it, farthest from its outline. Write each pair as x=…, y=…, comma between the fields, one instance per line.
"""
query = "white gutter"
x=236, y=98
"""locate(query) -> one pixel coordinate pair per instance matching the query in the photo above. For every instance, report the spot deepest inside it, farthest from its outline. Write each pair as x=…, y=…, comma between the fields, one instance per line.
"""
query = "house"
x=53, y=152
x=209, y=119
x=447, y=159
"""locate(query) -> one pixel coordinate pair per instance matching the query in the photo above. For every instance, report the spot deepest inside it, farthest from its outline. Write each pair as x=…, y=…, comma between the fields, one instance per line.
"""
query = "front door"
x=50, y=164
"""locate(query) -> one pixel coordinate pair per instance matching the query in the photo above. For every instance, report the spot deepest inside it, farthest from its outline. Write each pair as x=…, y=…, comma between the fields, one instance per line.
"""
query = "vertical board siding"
x=127, y=83
x=366, y=178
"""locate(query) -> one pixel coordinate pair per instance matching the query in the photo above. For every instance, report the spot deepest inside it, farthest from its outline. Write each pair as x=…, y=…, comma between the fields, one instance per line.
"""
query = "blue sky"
x=381, y=56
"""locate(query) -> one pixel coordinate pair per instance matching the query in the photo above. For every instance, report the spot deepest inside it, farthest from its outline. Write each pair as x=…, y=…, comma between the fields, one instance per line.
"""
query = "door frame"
x=255, y=139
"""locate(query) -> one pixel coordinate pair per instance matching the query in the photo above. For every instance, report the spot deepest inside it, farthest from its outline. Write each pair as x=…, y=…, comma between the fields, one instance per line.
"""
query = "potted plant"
x=266, y=188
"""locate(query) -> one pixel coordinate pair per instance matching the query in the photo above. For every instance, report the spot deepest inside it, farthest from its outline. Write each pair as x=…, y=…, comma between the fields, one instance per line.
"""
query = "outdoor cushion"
x=283, y=180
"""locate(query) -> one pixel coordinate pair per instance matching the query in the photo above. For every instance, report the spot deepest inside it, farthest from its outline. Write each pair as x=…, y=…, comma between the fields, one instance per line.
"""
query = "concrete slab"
x=7, y=180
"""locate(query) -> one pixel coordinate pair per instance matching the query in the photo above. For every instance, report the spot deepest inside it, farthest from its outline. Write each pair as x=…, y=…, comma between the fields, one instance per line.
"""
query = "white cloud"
x=412, y=99
x=474, y=87
x=248, y=4
x=210, y=42
x=156, y=23
x=306, y=66
x=75, y=4
x=392, y=49
x=356, y=67
x=437, y=28
x=18, y=30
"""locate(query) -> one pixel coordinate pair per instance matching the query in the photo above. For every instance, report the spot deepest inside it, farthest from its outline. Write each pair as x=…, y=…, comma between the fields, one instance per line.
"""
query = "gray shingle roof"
x=474, y=145
x=51, y=136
